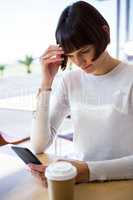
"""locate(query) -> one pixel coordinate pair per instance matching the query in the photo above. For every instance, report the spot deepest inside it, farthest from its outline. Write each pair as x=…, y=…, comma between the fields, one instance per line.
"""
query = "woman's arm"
x=95, y=170
x=82, y=171
x=115, y=169
x=52, y=107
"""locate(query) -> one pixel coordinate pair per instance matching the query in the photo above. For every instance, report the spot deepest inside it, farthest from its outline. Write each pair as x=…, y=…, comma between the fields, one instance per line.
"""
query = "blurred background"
x=26, y=29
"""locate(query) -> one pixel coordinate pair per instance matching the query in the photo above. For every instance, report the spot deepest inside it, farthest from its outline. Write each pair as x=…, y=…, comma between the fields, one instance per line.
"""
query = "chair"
x=14, y=126
x=68, y=136
x=68, y=126
x=6, y=139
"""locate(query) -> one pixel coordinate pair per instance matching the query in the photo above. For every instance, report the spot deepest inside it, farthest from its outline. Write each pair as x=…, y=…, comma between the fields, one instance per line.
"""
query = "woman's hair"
x=81, y=24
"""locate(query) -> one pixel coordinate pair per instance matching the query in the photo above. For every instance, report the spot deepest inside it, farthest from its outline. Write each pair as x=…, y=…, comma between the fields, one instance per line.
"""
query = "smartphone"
x=64, y=62
x=26, y=155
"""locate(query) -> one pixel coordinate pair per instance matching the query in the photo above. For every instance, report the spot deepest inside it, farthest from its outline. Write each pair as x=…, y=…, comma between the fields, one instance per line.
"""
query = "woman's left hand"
x=83, y=172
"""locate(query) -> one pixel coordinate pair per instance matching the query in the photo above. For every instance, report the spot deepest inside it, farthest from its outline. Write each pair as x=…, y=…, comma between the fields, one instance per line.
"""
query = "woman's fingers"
x=51, y=54
x=53, y=60
x=39, y=168
x=50, y=61
x=53, y=48
x=38, y=172
x=51, y=51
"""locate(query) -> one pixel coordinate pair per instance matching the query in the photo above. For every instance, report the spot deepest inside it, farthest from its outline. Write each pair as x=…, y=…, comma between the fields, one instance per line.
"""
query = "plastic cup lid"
x=60, y=171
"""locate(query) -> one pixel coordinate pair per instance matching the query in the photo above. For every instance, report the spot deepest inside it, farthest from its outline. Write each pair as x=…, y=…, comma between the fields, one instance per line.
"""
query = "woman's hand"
x=82, y=168
x=83, y=172
x=38, y=171
x=50, y=61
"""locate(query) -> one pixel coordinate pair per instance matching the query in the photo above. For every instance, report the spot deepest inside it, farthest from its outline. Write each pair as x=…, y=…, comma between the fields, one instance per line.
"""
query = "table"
x=16, y=182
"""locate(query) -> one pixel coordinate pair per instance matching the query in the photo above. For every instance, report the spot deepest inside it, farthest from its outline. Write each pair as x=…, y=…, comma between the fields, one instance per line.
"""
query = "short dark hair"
x=81, y=24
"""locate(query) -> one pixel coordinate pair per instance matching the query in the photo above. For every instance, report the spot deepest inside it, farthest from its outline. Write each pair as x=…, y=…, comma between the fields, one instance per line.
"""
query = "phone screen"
x=26, y=155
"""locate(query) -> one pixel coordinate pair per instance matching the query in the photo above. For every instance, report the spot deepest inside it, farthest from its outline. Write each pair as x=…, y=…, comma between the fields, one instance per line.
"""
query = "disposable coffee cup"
x=61, y=179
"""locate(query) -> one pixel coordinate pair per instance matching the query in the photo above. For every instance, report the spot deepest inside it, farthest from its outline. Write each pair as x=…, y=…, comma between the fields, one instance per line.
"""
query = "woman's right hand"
x=50, y=61
x=38, y=171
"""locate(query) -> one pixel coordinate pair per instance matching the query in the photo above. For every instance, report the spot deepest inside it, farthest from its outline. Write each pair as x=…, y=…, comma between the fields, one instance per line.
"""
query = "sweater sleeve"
x=51, y=109
x=115, y=169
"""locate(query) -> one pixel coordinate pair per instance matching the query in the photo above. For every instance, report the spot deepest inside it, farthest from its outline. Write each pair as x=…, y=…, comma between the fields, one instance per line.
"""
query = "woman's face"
x=83, y=58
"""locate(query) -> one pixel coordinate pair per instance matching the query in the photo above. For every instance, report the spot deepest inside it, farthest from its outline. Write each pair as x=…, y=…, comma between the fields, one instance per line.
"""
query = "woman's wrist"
x=83, y=173
x=42, y=90
x=46, y=87
x=46, y=84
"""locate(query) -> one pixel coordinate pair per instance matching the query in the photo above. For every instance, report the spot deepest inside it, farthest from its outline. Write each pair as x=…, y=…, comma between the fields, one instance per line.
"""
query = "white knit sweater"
x=101, y=109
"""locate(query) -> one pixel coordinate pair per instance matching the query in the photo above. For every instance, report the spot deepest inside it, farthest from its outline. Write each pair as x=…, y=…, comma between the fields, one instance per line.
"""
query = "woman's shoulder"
x=127, y=65
x=127, y=68
x=126, y=73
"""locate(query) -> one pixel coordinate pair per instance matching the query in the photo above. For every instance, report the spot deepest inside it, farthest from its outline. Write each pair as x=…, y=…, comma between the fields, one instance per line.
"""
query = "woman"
x=98, y=95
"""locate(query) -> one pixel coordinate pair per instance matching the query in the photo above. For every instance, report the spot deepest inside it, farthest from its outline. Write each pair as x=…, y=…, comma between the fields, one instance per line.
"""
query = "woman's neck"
x=104, y=64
